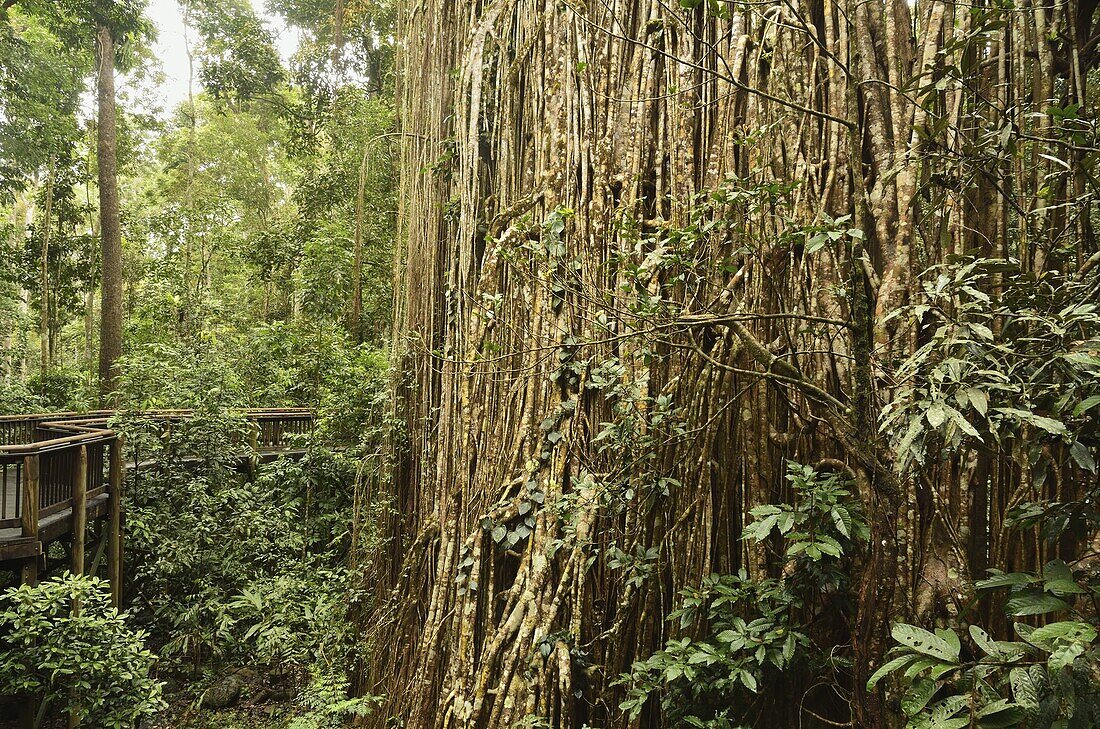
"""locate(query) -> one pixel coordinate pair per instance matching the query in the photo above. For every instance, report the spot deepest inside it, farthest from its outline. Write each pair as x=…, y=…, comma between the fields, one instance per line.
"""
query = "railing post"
x=114, y=527
x=80, y=508
x=79, y=526
x=29, y=515
x=254, y=447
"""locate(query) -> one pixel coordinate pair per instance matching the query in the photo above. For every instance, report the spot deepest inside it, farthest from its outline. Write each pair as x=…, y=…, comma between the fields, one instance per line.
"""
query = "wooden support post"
x=254, y=448
x=29, y=515
x=80, y=508
x=114, y=522
x=29, y=522
x=79, y=529
x=100, y=550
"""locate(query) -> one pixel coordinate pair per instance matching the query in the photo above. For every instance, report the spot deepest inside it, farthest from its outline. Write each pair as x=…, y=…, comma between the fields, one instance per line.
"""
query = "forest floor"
x=273, y=717
x=250, y=704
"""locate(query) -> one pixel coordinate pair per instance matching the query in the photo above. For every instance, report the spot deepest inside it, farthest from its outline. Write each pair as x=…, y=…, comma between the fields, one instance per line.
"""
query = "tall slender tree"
x=110, y=326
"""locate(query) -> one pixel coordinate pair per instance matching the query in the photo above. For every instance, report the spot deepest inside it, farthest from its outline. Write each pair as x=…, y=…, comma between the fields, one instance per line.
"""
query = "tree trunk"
x=610, y=207
x=44, y=273
x=90, y=364
x=110, y=326
x=187, y=305
x=355, y=315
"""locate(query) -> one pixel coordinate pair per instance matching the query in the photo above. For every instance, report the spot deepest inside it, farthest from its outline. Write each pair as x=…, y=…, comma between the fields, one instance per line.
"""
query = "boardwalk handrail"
x=51, y=445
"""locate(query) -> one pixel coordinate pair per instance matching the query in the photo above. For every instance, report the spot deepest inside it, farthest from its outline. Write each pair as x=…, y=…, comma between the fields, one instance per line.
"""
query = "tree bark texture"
x=518, y=337
x=110, y=327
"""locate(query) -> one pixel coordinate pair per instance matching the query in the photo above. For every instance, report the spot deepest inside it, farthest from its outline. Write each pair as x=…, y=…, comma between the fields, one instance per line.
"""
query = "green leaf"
x=816, y=242
x=999, y=714
x=761, y=529
x=1005, y=579
x=922, y=665
x=943, y=710
x=748, y=680
x=1034, y=603
x=958, y=723
x=951, y=638
x=1024, y=690
x=842, y=520
x=1082, y=456
x=981, y=330
x=1086, y=404
x=935, y=414
x=828, y=545
x=963, y=424
x=924, y=642
x=978, y=399
x=1064, y=655
x=983, y=641
x=1068, y=630
x=918, y=696
x=889, y=667
x=1050, y=425
x=916, y=427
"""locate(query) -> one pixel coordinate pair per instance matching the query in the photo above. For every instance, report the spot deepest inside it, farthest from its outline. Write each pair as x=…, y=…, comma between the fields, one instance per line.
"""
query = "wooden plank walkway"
x=72, y=454
x=58, y=472
x=61, y=471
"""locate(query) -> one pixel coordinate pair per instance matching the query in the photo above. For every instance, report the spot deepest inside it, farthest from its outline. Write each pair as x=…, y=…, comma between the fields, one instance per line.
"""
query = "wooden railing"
x=46, y=459
x=59, y=469
x=40, y=474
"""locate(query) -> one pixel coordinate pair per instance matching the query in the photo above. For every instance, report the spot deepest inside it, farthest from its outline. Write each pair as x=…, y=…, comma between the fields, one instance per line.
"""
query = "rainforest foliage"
x=675, y=364
x=256, y=220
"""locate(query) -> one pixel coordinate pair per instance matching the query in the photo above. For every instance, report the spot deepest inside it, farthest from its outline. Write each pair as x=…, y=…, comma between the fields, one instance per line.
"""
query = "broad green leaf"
x=999, y=714
x=935, y=414
x=1086, y=404
x=889, y=667
x=842, y=520
x=1034, y=603
x=748, y=680
x=1024, y=690
x=1050, y=425
x=1005, y=579
x=958, y=723
x=983, y=641
x=918, y=696
x=978, y=399
x=1082, y=456
x=944, y=709
x=1064, y=655
x=1064, y=630
x=921, y=666
x=951, y=638
x=964, y=425
x=924, y=642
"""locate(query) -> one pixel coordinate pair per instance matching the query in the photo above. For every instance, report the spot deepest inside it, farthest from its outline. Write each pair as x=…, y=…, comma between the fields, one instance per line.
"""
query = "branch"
x=736, y=83
x=809, y=389
x=708, y=319
x=865, y=451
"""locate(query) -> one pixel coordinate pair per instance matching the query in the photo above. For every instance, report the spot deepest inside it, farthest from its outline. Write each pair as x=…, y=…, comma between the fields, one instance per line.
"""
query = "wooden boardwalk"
x=61, y=471
x=51, y=463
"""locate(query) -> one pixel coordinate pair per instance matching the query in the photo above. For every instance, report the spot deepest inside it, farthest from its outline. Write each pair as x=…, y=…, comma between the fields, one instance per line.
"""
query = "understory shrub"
x=244, y=565
x=64, y=641
x=741, y=633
